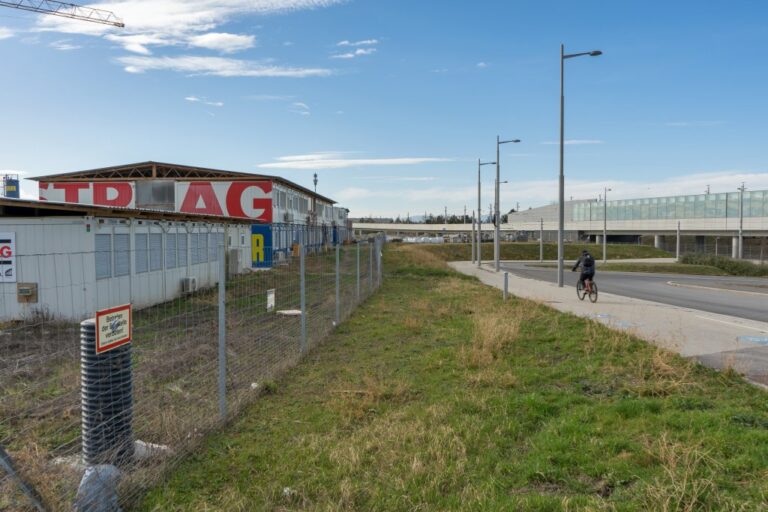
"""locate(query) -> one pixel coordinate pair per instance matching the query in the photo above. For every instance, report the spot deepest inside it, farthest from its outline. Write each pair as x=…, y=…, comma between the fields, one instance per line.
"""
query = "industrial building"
x=147, y=233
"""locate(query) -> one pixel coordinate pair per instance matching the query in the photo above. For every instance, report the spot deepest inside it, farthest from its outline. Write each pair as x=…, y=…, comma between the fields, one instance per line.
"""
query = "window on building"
x=155, y=251
x=142, y=260
x=181, y=244
x=170, y=250
x=202, y=248
x=122, y=255
x=213, y=247
x=193, y=248
x=103, y=256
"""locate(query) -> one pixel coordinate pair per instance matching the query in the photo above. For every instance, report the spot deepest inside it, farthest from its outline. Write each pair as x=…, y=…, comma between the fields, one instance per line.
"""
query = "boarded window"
x=103, y=256
x=142, y=264
x=155, y=251
x=170, y=250
x=181, y=243
x=122, y=255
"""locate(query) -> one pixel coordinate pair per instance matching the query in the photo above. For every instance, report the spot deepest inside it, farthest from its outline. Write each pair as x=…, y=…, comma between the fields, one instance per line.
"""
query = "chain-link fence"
x=198, y=353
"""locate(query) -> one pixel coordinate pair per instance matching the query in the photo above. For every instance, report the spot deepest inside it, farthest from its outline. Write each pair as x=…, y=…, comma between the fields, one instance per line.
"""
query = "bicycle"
x=581, y=292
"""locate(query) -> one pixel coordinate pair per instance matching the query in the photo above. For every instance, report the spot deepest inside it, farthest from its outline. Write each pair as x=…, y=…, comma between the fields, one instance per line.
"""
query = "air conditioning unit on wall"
x=188, y=284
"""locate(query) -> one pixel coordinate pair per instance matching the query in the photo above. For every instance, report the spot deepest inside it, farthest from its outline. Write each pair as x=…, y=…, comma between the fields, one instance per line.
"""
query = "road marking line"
x=732, y=323
x=680, y=285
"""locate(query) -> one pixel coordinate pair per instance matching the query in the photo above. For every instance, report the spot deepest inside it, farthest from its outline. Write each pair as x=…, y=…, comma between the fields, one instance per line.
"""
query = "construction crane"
x=65, y=10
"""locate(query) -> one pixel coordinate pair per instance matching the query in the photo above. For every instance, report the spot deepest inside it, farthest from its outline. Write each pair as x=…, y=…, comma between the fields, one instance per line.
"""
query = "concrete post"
x=735, y=248
x=677, y=247
x=506, y=286
x=658, y=241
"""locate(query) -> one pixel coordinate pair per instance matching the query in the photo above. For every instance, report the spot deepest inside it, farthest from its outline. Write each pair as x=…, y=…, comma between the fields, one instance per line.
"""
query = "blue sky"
x=393, y=101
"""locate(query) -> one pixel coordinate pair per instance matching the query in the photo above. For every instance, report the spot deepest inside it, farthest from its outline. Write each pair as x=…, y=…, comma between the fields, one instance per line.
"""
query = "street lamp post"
x=561, y=220
x=497, y=214
x=605, y=224
x=479, y=215
x=740, y=253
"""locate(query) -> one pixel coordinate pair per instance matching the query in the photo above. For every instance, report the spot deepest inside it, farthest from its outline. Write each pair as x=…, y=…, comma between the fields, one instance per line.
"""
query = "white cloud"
x=482, y=65
x=6, y=33
x=365, y=42
x=300, y=108
x=223, y=42
x=574, y=142
x=332, y=160
x=64, y=45
x=195, y=99
x=216, y=66
x=397, y=178
x=181, y=23
x=357, y=53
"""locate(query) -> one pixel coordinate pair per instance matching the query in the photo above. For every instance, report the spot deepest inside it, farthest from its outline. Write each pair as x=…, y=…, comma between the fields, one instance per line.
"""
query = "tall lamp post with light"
x=561, y=220
x=497, y=216
x=479, y=216
x=605, y=223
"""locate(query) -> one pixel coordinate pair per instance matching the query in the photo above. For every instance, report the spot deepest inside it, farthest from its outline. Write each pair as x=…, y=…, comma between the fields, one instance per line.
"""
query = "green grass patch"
x=730, y=266
x=530, y=251
x=435, y=395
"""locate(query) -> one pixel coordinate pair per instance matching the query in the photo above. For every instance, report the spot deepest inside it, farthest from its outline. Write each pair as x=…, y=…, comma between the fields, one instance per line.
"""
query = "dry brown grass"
x=412, y=255
x=493, y=332
x=687, y=483
x=661, y=374
x=357, y=399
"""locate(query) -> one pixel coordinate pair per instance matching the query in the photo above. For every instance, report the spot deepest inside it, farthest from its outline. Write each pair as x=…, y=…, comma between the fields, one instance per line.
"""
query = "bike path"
x=716, y=340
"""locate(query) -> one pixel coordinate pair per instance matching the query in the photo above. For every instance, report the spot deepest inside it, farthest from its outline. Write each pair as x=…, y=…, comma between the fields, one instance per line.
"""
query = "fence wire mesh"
x=175, y=352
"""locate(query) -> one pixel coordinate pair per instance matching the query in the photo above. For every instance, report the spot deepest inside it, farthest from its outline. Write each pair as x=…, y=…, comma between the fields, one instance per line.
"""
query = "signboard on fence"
x=113, y=328
x=7, y=257
x=261, y=246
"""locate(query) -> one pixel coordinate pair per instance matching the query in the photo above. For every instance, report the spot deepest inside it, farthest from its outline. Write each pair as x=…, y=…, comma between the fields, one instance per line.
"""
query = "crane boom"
x=65, y=10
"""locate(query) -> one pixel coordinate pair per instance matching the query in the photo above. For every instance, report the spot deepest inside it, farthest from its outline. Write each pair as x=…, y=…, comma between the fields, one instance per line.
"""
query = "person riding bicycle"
x=587, y=264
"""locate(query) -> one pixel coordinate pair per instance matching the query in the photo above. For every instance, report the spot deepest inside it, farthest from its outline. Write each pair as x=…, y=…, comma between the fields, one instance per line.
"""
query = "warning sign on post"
x=113, y=328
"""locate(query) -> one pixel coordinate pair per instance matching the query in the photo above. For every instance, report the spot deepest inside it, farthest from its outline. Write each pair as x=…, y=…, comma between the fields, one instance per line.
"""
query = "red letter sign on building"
x=243, y=199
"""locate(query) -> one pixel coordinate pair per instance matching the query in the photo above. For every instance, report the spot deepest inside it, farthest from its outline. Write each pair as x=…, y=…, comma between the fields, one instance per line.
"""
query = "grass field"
x=435, y=395
x=530, y=251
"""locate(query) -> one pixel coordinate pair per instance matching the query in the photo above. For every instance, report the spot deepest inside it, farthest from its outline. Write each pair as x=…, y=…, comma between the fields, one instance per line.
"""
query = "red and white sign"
x=7, y=257
x=113, y=328
x=244, y=199
x=119, y=194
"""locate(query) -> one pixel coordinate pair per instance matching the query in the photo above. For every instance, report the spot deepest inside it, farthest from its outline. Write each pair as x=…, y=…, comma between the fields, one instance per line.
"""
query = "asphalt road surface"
x=741, y=297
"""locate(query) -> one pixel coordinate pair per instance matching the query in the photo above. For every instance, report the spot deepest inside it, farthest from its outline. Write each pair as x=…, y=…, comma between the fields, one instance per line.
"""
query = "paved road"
x=733, y=296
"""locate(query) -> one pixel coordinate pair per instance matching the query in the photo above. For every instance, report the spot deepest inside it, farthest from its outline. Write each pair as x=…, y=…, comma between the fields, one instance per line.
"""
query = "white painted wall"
x=58, y=253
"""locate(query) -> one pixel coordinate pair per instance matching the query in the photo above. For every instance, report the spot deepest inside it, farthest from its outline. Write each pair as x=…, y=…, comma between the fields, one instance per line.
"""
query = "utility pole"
x=742, y=188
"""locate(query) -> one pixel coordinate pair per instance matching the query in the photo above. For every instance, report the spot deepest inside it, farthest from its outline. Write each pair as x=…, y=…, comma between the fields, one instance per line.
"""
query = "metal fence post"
x=303, y=285
x=506, y=285
x=7, y=464
x=379, y=250
x=677, y=246
x=358, y=271
x=338, y=285
x=541, y=241
x=222, y=334
x=370, y=267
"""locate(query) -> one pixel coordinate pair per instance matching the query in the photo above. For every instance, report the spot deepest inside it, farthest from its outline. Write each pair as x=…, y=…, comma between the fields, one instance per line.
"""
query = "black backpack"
x=589, y=262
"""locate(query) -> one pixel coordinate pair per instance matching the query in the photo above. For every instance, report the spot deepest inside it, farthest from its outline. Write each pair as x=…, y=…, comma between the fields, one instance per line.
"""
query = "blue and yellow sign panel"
x=261, y=246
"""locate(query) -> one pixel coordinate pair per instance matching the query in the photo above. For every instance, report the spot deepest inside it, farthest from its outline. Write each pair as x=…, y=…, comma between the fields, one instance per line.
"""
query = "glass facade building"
x=704, y=206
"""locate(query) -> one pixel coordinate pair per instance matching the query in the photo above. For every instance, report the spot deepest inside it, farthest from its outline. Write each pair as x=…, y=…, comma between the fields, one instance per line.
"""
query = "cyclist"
x=587, y=264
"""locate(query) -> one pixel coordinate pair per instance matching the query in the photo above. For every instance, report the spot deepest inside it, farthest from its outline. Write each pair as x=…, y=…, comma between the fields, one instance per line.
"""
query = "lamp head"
x=595, y=53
